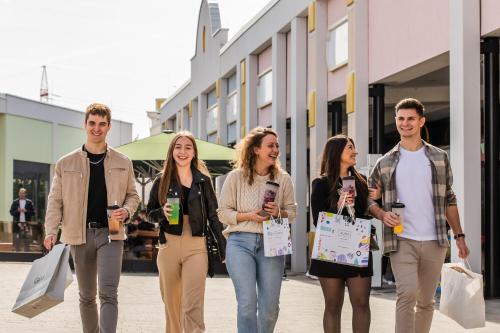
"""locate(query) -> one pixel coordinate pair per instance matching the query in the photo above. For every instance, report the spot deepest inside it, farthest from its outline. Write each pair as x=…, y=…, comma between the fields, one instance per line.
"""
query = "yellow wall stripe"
x=311, y=105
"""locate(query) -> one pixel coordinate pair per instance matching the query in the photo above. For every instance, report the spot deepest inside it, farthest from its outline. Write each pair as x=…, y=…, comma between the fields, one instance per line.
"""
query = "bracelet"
x=457, y=236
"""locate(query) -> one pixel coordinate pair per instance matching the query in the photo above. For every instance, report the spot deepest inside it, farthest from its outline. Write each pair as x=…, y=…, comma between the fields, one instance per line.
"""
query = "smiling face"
x=183, y=152
x=349, y=154
x=97, y=128
x=409, y=123
x=269, y=150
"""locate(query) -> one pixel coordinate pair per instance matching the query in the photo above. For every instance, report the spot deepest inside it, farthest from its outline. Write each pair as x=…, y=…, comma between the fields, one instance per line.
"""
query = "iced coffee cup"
x=174, y=215
x=113, y=224
x=398, y=208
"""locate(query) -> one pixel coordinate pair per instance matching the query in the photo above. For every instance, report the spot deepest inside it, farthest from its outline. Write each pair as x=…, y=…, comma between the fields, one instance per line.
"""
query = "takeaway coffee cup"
x=349, y=185
x=174, y=215
x=269, y=196
x=398, y=208
x=113, y=224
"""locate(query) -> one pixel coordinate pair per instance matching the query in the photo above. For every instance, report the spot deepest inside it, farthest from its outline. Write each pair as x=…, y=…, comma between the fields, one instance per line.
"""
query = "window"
x=337, y=45
x=212, y=119
x=211, y=99
x=212, y=137
x=265, y=89
x=232, y=108
x=231, y=133
x=231, y=84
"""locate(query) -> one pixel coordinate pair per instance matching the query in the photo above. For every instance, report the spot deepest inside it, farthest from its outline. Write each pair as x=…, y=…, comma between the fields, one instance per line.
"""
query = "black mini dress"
x=320, y=202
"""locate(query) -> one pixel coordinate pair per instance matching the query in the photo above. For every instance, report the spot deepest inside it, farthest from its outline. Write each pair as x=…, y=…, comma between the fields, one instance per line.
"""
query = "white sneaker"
x=312, y=277
x=388, y=282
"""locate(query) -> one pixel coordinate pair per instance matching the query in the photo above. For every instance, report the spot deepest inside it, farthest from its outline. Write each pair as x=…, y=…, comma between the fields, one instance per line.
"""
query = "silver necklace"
x=95, y=163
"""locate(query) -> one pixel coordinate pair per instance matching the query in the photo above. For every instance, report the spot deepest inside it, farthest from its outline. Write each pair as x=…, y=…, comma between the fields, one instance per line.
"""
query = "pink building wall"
x=265, y=116
x=399, y=38
x=337, y=10
x=288, y=73
x=490, y=16
x=265, y=60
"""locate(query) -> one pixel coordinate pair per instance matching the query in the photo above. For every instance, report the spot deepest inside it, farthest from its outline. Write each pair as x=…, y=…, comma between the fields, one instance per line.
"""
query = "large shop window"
x=28, y=236
x=265, y=89
x=337, y=45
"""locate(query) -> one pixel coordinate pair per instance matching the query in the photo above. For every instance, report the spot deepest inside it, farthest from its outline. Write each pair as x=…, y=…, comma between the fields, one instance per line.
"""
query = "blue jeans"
x=256, y=280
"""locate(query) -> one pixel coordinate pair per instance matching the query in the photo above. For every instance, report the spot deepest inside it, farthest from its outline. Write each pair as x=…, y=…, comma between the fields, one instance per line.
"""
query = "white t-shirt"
x=22, y=216
x=414, y=190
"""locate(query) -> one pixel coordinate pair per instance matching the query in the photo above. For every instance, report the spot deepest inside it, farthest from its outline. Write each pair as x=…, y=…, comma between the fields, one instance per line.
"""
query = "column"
x=222, y=115
x=193, y=123
x=298, y=100
x=279, y=91
x=251, y=92
x=357, y=121
x=202, y=116
x=465, y=115
x=318, y=94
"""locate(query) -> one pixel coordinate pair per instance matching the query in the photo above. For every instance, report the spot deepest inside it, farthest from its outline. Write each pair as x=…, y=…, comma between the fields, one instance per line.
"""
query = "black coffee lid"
x=398, y=205
x=348, y=178
x=113, y=207
x=272, y=183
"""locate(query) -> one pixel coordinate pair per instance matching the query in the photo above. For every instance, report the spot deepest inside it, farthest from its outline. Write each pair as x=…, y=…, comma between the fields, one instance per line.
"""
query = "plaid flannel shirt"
x=442, y=193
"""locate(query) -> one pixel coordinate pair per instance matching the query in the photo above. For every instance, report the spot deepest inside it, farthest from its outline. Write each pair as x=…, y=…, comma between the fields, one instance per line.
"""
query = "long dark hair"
x=169, y=173
x=330, y=168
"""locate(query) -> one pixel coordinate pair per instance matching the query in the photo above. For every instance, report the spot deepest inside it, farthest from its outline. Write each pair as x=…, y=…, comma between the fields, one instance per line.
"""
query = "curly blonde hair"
x=246, y=157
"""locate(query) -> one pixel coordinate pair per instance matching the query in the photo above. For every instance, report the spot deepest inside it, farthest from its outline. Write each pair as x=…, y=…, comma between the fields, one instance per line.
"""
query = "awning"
x=148, y=155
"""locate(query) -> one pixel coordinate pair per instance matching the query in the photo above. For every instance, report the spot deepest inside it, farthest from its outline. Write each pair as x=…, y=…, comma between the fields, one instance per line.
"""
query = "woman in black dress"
x=338, y=161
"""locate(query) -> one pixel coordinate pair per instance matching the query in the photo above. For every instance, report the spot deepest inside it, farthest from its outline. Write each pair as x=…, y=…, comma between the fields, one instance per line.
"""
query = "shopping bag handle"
x=461, y=270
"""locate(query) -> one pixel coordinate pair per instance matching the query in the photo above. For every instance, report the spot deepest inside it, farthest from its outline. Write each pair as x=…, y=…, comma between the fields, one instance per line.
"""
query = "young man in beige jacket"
x=85, y=182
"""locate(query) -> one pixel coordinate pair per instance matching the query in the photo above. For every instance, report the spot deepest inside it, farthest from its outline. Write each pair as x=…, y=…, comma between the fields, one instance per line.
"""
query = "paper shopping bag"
x=44, y=286
x=462, y=295
x=277, y=239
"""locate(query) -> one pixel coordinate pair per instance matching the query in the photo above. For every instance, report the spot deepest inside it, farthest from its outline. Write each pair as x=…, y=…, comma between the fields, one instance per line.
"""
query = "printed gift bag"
x=277, y=240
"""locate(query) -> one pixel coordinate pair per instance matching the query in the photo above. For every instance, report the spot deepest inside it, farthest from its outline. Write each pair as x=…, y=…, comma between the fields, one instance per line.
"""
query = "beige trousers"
x=183, y=264
x=417, y=267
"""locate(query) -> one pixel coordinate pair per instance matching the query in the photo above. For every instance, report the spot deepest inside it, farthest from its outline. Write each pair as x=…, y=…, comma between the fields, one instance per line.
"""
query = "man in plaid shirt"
x=418, y=175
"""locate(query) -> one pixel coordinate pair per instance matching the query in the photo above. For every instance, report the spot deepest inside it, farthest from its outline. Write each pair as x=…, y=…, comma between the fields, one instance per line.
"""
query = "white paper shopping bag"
x=342, y=240
x=462, y=295
x=277, y=239
x=44, y=286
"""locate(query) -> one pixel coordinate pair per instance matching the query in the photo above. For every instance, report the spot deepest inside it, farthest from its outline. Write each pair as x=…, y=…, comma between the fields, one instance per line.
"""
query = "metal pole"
x=490, y=49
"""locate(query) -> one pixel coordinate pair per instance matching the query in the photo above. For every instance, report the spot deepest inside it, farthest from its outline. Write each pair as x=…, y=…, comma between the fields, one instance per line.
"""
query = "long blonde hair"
x=246, y=157
x=169, y=172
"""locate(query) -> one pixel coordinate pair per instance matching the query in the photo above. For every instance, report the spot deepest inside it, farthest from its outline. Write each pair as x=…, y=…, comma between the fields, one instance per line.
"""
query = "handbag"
x=214, y=249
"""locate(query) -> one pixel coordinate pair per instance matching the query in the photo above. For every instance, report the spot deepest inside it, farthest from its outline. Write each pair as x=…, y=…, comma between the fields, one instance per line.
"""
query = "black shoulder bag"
x=214, y=252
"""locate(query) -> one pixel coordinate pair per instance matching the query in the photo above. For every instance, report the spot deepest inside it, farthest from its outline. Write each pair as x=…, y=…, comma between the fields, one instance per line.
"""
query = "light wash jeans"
x=256, y=280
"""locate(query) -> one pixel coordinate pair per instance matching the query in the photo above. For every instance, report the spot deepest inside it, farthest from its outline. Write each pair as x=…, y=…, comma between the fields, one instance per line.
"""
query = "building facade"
x=312, y=69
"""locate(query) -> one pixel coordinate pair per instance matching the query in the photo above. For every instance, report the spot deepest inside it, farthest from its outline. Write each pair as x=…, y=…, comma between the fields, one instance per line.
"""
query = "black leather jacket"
x=201, y=189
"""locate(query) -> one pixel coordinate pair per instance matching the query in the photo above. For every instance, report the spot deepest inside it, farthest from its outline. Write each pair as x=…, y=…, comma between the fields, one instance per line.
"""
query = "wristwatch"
x=457, y=236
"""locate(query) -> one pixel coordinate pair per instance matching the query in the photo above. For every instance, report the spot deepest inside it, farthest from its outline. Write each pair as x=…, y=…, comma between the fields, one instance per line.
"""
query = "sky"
x=122, y=53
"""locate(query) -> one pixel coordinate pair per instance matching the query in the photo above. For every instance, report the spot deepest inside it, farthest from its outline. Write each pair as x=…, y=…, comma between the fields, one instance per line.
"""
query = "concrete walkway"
x=141, y=308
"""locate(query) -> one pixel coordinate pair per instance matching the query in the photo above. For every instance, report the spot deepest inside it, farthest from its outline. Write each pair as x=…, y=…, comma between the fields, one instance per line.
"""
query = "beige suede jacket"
x=67, y=202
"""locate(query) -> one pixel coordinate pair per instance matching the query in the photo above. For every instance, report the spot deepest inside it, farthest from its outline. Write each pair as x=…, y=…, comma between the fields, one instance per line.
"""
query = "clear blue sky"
x=120, y=52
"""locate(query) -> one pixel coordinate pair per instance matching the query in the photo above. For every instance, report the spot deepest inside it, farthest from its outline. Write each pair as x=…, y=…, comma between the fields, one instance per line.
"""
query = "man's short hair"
x=411, y=103
x=98, y=109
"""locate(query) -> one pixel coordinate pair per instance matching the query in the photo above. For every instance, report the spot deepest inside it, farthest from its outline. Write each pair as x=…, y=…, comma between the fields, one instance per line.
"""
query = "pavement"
x=141, y=308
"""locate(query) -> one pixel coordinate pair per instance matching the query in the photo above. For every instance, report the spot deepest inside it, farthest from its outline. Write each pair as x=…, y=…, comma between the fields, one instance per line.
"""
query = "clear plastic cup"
x=174, y=215
x=113, y=224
